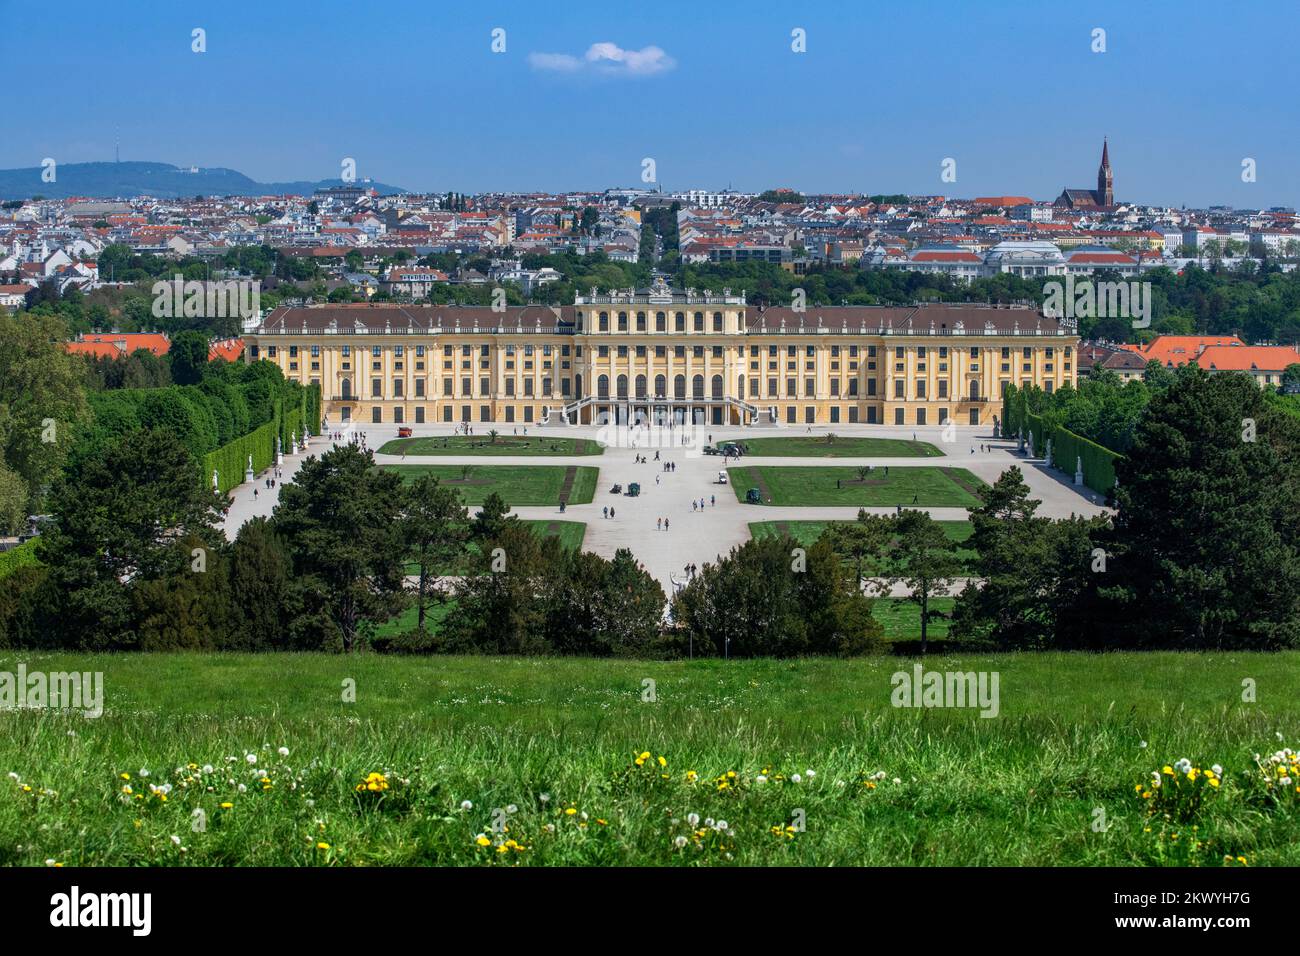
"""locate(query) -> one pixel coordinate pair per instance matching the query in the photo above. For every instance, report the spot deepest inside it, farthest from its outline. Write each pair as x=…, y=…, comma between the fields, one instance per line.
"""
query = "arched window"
x=622, y=386
x=640, y=386
x=740, y=385
x=661, y=385
x=622, y=321
x=347, y=388
x=716, y=386
x=679, y=322
x=699, y=321
x=661, y=322
x=717, y=321
x=604, y=321
x=697, y=386
x=577, y=386
x=679, y=386
x=974, y=390
x=640, y=321
x=602, y=386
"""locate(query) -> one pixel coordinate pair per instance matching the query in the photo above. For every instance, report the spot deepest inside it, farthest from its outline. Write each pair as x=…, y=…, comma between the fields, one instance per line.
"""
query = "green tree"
x=42, y=399
x=261, y=587
x=861, y=543
x=925, y=560
x=119, y=511
x=1028, y=569
x=434, y=532
x=187, y=356
x=339, y=518
x=1205, y=549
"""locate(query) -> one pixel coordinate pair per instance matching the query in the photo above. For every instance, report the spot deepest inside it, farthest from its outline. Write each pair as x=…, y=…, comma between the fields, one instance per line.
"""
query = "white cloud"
x=608, y=58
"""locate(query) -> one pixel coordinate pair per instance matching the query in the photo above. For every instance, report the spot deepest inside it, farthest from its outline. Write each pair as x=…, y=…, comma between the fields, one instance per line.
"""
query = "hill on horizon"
x=161, y=180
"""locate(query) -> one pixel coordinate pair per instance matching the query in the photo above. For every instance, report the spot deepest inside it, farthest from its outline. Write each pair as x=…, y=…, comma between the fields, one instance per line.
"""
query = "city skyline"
x=578, y=99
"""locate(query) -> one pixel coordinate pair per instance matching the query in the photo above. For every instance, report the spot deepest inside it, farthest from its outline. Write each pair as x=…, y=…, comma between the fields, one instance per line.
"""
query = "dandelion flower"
x=250, y=758
x=176, y=841
x=511, y=809
x=679, y=842
x=795, y=778
x=466, y=805
x=693, y=820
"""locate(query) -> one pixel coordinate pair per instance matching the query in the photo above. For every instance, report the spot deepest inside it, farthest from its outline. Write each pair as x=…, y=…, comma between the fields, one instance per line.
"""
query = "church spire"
x=1105, y=194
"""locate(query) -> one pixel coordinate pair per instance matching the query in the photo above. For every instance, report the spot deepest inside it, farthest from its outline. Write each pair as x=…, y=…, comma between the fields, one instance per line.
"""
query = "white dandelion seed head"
x=679, y=842
x=176, y=841
x=250, y=758
x=512, y=809
x=283, y=751
x=693, y=819
x=760, y=779
x=795, y=778
x=466, y=805
x=1218, y=770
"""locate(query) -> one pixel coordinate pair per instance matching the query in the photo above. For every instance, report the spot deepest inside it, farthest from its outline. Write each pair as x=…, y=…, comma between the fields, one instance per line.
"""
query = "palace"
x=662, y=355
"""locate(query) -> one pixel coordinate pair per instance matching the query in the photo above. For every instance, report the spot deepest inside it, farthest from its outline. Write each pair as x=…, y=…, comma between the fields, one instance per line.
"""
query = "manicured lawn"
x=807, y=532
x=482, y=445
x=926, y=486
x=1073, y=733
x=902, y=618
x=517, y=484
x=816, y=446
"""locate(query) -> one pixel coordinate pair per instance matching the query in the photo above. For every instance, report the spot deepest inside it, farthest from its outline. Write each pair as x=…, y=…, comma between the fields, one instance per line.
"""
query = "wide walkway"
x=699, y=536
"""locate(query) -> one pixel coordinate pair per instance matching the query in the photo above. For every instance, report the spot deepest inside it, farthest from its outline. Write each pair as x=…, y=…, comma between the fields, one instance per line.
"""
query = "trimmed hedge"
x=23, y=556
x=229, y=461
x=1067, y=446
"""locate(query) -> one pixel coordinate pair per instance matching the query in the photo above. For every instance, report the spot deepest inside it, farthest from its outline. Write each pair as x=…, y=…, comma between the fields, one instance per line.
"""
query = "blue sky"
x=710, y=89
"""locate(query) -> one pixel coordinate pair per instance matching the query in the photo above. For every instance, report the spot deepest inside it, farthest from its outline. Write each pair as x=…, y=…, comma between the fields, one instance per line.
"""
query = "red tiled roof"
x=1248, y=358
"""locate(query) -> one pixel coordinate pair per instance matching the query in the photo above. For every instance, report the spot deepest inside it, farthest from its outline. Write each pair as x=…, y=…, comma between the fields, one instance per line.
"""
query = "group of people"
x=699, y=505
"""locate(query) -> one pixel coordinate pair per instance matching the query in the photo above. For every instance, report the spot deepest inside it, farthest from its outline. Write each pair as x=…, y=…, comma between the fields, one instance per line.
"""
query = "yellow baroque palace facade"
x=661, y=355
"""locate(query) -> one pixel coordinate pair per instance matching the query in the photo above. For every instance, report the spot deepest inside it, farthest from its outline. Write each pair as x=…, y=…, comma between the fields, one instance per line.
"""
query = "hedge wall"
x=1067, y=447
x=24, y=555
x=230, y=460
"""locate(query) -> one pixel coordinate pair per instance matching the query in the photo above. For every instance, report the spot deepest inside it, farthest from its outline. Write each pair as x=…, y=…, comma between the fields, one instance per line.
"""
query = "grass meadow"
x=926, y=486
x=518, y=484
x=488, y=762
